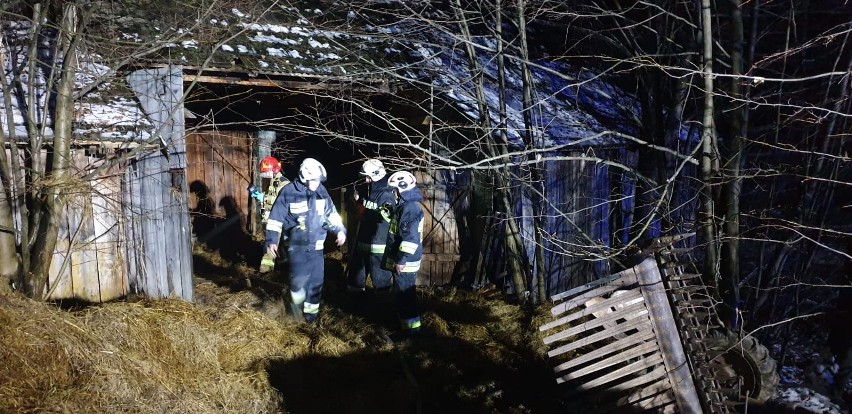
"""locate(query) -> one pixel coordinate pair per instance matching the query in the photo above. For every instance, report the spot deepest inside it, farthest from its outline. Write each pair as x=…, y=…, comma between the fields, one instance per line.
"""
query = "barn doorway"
x=222, y=157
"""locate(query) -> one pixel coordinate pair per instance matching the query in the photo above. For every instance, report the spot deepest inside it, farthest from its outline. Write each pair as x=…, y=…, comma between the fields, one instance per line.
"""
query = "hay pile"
x=148, y=357
x=234, y=352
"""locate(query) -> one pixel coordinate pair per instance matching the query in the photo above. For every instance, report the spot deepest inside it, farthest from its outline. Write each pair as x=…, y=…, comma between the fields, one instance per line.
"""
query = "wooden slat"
x=654, y=375
x=131, y=231
x=106, y=213
x=59, y=282
x=591, y=285
x=615, y=359
x=580, y=299
x=634, y=311
x=84, y=270
x=606, y=304
x=618, y=346
x=666, y=330
x=621, y=328
x=623, y=372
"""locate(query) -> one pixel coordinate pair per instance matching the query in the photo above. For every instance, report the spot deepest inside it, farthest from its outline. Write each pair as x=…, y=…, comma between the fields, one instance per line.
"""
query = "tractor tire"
x=732, y=359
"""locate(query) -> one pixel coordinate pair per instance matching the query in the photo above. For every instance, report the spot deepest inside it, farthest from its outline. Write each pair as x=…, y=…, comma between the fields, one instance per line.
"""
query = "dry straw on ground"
x=234, y=352
x=159, y=357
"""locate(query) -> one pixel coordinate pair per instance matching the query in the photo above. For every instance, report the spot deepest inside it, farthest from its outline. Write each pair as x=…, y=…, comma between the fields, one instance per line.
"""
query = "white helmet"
x=402, y=180
x=373, y=168
x=311, y=169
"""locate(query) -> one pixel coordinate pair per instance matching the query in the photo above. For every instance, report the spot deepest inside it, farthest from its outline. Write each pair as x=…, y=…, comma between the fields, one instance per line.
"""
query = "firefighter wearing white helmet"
x=405, y=248
x=373, y=217
x=303, y=214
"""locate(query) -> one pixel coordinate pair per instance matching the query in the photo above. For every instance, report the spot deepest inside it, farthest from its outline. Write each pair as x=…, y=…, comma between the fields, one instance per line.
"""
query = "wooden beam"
x=365, y=86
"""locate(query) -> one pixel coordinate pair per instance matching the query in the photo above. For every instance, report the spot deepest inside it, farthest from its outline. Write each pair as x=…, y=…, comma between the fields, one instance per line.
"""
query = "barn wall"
x=576, y=222
x=219, y=162
x=122, y=233
x=88, y=258
x=440, y=231
x=569, y=224
x=157, y=181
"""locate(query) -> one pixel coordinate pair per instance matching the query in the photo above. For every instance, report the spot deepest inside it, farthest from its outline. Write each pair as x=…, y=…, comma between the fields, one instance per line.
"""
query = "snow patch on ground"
x=809, y=400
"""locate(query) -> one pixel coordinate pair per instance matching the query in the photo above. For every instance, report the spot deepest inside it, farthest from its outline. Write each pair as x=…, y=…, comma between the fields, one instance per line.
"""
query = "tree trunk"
x=708, y=136
x=511, y=231
x=9, y=259
x=730, y=198
x=53, y=194
x=537, y=193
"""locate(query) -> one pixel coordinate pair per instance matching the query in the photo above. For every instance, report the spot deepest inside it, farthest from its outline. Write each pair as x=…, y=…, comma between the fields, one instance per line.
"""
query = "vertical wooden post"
x=668, y=337
x=166, y=250
x=261, y=149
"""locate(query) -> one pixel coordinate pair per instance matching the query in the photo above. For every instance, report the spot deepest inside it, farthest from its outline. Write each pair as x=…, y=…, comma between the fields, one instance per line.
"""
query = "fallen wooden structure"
x=648, y=339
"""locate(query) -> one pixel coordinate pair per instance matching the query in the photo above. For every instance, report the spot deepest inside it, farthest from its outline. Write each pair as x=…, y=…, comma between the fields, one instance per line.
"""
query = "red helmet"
x=269, y=166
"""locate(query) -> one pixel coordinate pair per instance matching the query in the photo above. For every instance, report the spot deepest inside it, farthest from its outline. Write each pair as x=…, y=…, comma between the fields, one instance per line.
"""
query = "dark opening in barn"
x=234, y=121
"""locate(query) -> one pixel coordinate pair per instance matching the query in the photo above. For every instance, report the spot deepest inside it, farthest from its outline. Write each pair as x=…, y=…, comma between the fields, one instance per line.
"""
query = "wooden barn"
x=125, y=222
x=274, y=86
x=246, y=105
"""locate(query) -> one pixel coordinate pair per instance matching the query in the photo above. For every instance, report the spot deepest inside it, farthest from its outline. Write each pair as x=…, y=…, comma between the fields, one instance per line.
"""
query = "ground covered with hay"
x=235, y=351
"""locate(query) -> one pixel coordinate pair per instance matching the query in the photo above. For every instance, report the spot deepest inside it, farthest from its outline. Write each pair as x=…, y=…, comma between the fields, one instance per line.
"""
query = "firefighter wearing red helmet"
x=274, y=181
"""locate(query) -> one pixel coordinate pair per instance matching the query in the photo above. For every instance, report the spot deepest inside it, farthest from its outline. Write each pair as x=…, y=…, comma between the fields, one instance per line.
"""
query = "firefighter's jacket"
x=278, y=183
x=374, y=216
x=405, y=237
x=302, y=217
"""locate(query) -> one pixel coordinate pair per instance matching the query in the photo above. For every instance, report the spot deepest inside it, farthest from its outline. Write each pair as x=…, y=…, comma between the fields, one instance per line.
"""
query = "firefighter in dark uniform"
x=373, y=215
x=405, y=248
x=274, y=180
x=303, y=215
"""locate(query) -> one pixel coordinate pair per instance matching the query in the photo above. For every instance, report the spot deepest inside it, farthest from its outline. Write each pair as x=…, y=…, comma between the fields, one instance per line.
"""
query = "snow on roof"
x=288, y=41
x=570, y=104
x=280, y=40
x=105, y=114
x=565, y=106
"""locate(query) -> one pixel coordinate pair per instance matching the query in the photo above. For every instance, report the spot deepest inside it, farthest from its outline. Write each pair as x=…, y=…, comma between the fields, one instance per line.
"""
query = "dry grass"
x=234, y=351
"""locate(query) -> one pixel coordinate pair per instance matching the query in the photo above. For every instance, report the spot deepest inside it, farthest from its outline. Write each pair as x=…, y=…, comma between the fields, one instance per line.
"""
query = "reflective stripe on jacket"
x=304, y=217
x=373, y=226
x=275, y=187
x=405, y=236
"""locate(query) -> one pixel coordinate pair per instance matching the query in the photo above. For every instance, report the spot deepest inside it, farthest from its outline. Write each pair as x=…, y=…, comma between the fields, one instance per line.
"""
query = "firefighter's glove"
x=256, y=193
x=267, y=263
x=398, y=268
x=386, y=211
x=272, y=250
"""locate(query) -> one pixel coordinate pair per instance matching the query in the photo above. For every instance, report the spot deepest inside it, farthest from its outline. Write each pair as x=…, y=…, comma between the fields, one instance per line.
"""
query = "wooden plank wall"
x=221, y=160
x=160, y=180
x=568, y=224
x=87, y=262
x=440, y=233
